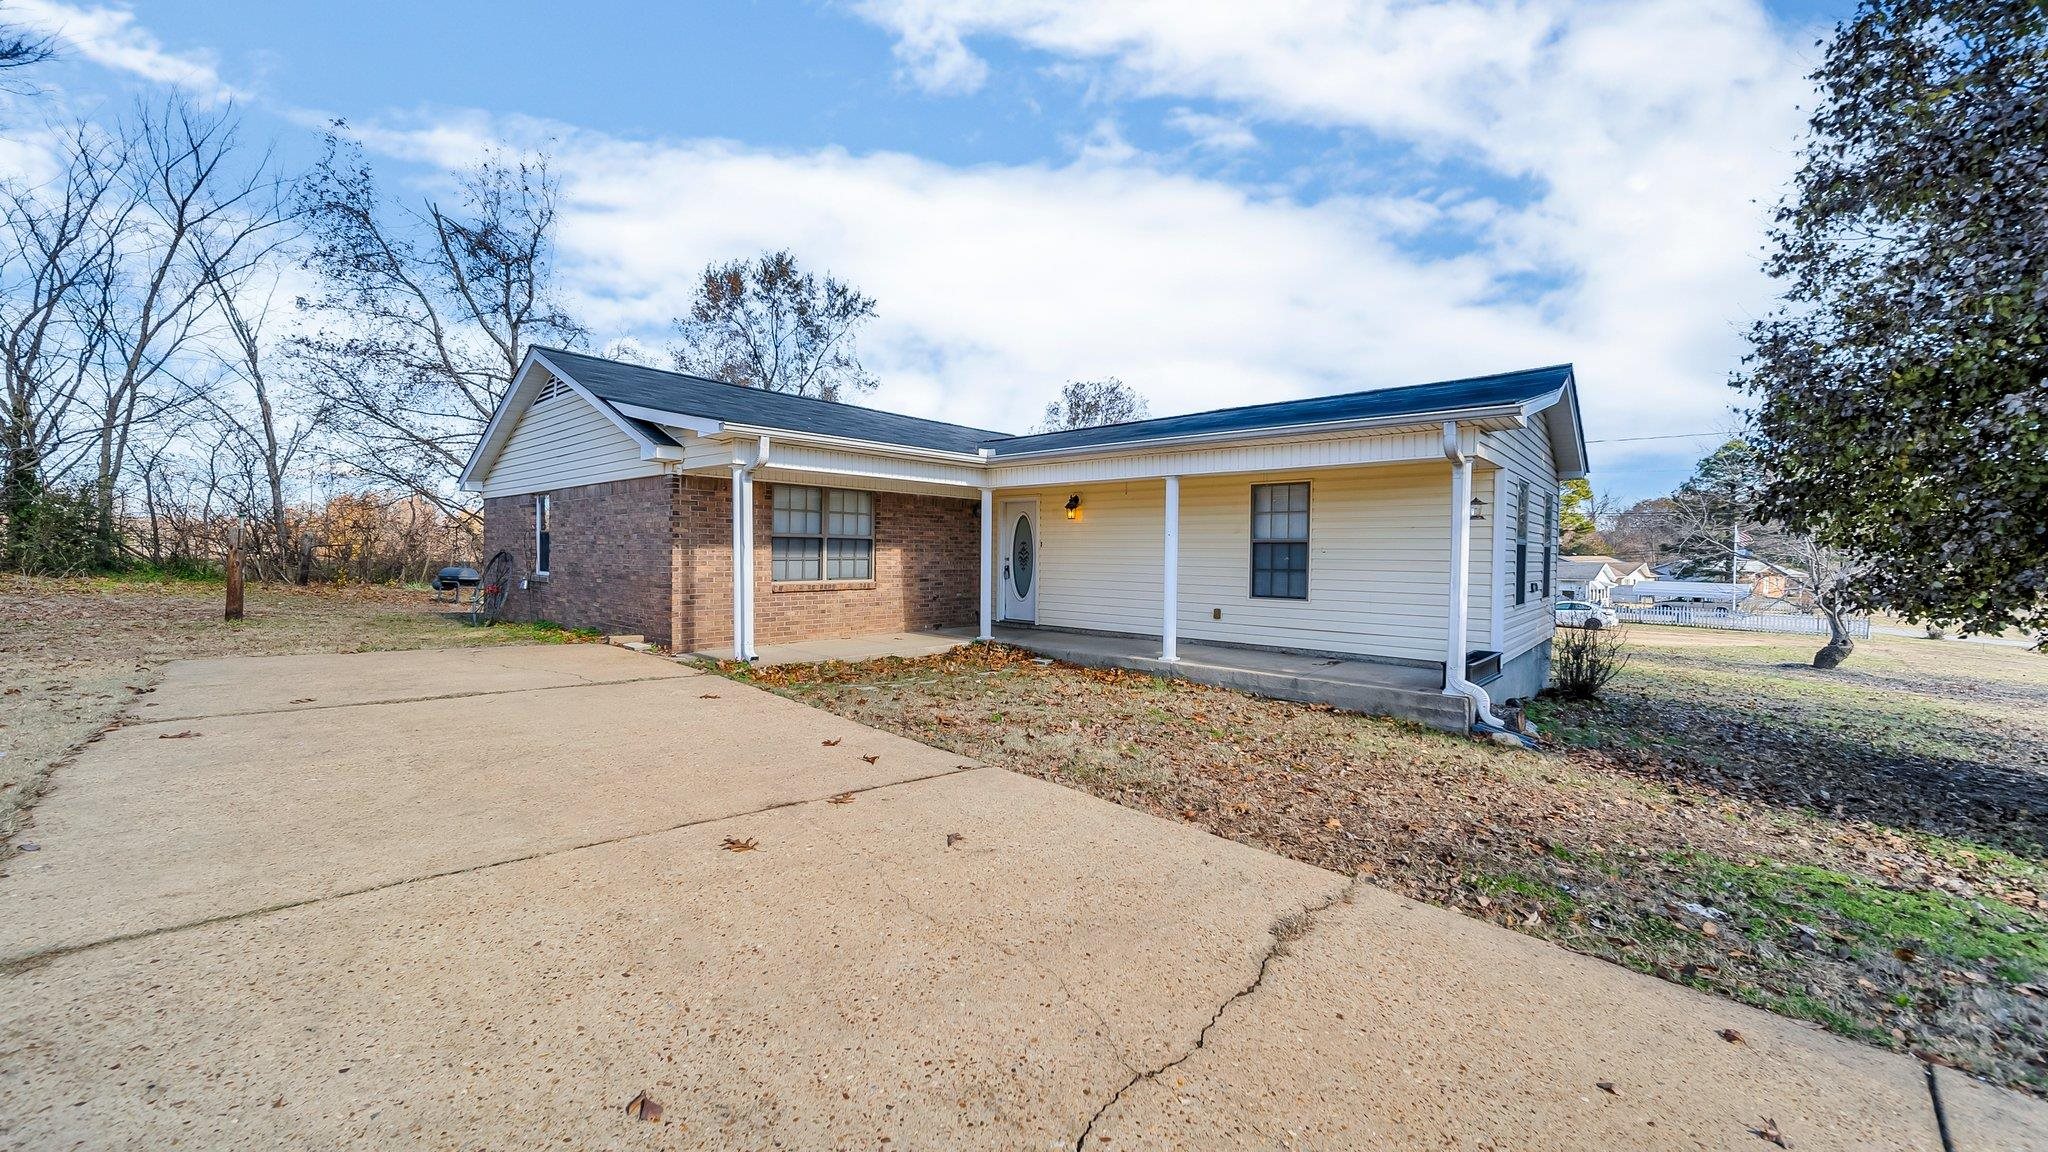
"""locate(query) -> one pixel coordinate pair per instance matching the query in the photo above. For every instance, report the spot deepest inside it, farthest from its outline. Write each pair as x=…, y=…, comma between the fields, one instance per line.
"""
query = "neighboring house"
x=1626, y=574
x=1590, y=580
x=1413, y=526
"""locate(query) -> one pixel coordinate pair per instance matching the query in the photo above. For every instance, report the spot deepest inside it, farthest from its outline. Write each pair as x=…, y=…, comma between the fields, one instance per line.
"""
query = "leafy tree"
x=766, y=323
x=1719, y=499
x=1902, y=385
x=1093, y=403
x=1580, y=532
x=424, y=313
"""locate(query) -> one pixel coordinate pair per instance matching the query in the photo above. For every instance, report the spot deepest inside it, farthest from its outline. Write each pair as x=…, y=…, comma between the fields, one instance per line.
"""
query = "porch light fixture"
x=1074, y=506
x=1478, y=510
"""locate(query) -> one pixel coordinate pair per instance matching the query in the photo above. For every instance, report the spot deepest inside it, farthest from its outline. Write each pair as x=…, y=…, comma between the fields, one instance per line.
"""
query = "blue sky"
x=1219, y=204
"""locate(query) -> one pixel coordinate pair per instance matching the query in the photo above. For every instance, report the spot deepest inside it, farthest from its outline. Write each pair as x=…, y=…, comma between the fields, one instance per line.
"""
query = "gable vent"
x=553, y=389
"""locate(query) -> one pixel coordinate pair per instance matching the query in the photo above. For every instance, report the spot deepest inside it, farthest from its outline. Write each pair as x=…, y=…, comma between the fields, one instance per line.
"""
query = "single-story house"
x=1588, y=580
x=1411, y=527
x=1626, y=574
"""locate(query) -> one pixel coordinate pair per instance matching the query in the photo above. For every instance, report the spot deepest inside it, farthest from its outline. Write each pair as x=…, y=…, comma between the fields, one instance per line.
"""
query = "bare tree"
x=766, y=323
x=425, y=313
x=20, y=49
x=56, y=264
x=194, y=214
x=1092, y=403
x=1805, y=572
x=265, y=440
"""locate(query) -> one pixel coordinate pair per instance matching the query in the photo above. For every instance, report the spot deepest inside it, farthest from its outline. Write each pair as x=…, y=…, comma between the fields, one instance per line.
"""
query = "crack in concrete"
x=1285, y=931
x=1102, y=1022
x=287, y=710
x=14, y=965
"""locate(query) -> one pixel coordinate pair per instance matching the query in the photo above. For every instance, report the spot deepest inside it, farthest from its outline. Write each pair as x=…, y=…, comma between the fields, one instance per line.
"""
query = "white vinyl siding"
x=1379, y=562
x=562, y=442
x=1524, y=456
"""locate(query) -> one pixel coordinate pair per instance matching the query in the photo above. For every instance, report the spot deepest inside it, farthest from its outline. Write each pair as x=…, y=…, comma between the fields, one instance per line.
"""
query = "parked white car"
x=1580, y=614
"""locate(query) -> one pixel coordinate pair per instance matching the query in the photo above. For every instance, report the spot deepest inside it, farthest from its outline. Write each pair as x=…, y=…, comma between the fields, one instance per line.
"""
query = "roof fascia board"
x=1277, y=432
x=696, y=425
x=851, y=444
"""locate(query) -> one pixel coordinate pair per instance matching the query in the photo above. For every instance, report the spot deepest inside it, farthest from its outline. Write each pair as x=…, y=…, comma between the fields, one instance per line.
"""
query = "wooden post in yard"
x=234, y=611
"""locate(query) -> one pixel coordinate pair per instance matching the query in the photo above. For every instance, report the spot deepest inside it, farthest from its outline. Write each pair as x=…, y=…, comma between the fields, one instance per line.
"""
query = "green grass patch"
x=1555, y=901
x=541, y=632
x=1769, y=897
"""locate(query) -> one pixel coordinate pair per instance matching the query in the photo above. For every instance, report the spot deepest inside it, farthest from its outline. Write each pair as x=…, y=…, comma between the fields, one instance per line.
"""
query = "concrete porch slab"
x=1376, y=689
x=876, y=647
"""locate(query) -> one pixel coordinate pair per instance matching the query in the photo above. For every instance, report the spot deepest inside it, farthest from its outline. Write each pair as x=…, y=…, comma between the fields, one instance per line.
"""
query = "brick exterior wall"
x=611, y=551
x=654, y=556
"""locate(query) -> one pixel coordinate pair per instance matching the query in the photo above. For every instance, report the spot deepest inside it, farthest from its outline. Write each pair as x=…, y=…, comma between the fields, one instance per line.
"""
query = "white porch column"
x=1169, y=624
x=1461, y=568
x=742, y=563
x=988, y=563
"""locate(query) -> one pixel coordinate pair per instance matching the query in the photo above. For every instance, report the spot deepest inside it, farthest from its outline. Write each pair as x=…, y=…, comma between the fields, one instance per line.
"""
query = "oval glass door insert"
x=1020, y=556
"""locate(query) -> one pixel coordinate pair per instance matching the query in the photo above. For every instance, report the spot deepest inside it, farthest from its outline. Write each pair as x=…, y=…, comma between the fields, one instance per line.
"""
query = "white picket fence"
x=1711, y=616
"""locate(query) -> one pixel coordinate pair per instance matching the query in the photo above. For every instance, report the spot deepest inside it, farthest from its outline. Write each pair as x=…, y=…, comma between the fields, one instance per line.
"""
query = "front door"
x=1019, y=546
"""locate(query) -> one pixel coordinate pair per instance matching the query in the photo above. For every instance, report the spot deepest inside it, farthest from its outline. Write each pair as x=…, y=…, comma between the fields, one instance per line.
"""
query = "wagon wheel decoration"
x=494, y=589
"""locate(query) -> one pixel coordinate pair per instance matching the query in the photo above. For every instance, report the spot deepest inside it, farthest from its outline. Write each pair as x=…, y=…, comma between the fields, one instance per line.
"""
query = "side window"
x=541, y=541
x=1521, y=542
x=1280, y=541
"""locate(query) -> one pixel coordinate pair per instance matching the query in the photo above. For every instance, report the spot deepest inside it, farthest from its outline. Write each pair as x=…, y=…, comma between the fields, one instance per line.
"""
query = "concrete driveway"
x=486, y=898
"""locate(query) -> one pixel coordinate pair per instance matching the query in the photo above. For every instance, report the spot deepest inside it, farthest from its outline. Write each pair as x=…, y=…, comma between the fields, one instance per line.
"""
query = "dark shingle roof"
x=1414, y=400
x=696, y=396
x=623, y=383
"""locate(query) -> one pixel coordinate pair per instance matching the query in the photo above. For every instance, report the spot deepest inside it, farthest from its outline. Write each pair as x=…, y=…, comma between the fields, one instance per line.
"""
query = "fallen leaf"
x=832, y=743
x=1731, y=1035
x=733, y=844
x=708, y=696
x=176, y=735
x=1333, y=824
x=303, y=700
x=641, y=1107
x=871, y=759
x=1905, y=954
x=1709, y=928
x=842, y=798
x=1770, y=1132
x=1607, y=1086
x=953, y=838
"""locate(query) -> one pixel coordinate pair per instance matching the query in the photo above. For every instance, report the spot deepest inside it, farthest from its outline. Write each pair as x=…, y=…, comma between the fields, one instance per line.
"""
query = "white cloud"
x=930, y=50
x=112, y=38
x=1656, y=133
x=998, y=283
x=1215, y=133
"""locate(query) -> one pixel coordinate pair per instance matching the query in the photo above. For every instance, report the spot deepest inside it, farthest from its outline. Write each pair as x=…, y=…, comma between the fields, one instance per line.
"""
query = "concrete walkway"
x=487, y=898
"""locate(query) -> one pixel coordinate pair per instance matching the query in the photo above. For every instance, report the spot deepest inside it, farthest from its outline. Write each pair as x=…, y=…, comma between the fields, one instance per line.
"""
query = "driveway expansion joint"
x=15, y=965
x=126, y=721
x=1285, y=931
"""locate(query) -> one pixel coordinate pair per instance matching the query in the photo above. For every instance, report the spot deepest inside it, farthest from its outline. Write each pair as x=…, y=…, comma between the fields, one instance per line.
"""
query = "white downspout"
x=988, y=563
x=743, y=552
x=1455, y=683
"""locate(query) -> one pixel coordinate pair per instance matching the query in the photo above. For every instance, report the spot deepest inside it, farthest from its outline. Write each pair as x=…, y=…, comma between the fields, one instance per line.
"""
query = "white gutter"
x=1459, y=615
x=869, y=447
x=743, y=551
x=1409, y=420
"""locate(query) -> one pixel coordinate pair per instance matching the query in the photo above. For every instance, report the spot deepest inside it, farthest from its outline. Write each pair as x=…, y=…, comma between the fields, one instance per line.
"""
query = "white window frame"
x=1307, y=534
x=825, y=536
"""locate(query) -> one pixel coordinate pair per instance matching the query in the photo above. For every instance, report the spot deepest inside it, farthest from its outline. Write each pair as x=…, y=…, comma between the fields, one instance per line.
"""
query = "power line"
x=1672, y=436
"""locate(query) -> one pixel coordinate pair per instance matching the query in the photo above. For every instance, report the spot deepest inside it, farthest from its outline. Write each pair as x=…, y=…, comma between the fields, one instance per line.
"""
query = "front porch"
x=1351, y=685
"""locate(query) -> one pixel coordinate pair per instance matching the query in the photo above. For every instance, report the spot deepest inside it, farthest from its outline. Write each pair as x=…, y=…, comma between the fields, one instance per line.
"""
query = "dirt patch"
x=1645, y=839
x=75, y=653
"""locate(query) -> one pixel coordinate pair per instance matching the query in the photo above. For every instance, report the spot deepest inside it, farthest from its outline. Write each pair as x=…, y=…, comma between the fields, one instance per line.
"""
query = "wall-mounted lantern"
x=1074, y=506
x=1478, y=510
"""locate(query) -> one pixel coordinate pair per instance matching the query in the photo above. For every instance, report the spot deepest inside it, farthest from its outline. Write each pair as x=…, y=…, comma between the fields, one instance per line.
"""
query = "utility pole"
x=1735, y=570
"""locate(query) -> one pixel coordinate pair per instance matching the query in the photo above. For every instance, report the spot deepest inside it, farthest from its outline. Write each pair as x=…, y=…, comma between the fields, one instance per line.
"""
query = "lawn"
x=73, y=652
x=1866, y=849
